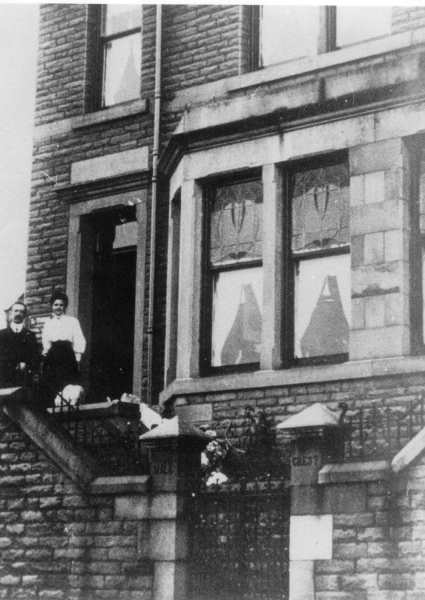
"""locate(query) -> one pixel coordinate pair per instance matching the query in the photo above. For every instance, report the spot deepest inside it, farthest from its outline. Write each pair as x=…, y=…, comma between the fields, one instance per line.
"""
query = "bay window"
x=314, y=265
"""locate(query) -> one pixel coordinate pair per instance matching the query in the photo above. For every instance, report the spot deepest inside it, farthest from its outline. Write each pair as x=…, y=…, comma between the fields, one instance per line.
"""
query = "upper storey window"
x=289, y=32
x=355, y=24
x=121, y=49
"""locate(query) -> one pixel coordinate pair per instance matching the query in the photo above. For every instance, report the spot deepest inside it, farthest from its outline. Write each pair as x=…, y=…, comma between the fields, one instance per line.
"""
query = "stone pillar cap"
x=174, y=428
x=314, y=416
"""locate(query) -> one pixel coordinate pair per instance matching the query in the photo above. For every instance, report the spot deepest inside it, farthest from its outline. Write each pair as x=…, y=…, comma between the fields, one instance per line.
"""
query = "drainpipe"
x=155, y=154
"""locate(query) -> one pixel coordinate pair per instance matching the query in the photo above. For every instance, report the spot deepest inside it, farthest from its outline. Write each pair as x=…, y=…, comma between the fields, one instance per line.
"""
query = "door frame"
x=73, y=280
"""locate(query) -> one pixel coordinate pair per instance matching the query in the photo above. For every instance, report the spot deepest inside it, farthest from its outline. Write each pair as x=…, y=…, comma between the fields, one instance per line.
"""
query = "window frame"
x=79, y=268
x=100, y=63
x=290, y=261
x=206, y=368
x=327, y=41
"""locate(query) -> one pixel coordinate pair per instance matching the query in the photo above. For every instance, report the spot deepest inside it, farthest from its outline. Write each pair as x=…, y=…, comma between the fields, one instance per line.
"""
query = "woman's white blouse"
x=63, y=328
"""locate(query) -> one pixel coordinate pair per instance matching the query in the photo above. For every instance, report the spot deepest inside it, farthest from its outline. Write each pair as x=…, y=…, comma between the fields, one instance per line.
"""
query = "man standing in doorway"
x=19, y=353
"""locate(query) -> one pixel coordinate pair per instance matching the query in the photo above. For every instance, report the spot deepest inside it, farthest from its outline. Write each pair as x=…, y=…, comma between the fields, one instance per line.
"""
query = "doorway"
x=110, y=255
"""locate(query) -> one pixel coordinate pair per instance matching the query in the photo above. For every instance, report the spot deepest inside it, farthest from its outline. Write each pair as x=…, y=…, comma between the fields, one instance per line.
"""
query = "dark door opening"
x=113, y=304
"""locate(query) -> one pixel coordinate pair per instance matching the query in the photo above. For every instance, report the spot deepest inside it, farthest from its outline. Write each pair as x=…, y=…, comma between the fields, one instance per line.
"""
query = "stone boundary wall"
x=378, y=526
x=55, y=541
x=378, y=541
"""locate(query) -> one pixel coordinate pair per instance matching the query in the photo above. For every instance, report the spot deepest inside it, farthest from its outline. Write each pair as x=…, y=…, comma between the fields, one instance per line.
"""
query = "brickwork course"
x=56, y=542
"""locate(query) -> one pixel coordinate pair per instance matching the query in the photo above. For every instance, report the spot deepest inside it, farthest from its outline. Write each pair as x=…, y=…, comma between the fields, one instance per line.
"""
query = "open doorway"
x=107, y=300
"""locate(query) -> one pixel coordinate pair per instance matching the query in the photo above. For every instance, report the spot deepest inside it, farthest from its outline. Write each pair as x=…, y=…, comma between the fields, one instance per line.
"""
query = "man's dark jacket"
x=17, y=348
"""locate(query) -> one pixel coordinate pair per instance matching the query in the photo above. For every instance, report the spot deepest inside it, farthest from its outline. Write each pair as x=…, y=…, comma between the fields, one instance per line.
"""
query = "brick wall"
x=61, y=61
x=406, y=18
x=56, y=542
x=201, y=44
x=52, y=158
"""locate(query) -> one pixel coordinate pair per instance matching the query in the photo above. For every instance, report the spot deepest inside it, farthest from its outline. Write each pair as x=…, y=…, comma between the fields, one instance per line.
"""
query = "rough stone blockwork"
x=378, y=553
x=56, y=542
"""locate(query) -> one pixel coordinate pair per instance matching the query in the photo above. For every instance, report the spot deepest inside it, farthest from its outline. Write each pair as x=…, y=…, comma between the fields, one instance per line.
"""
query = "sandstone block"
x=357, y=190
x=378, y=156
x=374, y=187
x=359, y=581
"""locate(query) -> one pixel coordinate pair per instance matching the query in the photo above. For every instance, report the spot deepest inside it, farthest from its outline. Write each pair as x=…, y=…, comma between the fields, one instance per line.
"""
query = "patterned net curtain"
x=320, y=224
x=236, y=231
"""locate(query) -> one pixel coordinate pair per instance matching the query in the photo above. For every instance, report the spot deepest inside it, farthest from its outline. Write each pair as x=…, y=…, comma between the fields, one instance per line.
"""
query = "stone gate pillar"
x=315, y=441
x=174, y=456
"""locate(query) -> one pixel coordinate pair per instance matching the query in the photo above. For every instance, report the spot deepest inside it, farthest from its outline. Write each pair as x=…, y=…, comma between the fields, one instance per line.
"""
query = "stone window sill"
x=296, y=376
x=110, y=114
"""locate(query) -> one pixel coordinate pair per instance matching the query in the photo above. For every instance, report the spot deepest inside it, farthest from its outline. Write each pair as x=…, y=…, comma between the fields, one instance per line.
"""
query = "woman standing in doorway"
x=63, y=345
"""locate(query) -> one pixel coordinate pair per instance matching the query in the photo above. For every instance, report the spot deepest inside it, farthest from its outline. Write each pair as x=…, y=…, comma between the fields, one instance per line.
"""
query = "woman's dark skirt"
x=60, y=369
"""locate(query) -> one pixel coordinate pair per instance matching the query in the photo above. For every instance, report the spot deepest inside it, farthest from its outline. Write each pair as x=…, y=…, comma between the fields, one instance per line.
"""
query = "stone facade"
x=219, y=119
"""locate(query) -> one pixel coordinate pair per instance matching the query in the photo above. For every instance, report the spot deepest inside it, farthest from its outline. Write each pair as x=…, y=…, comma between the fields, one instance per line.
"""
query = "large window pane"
x=236, y=322
x=288, y=32
x=357, y=23
x=236, y=223
x=322, y=306
x=122, y=69
x=320, y=208
x=118, y=18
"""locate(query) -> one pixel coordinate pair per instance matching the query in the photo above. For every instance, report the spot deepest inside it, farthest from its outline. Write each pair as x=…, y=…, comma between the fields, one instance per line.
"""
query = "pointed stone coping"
x=174, y=428
x=316, y=415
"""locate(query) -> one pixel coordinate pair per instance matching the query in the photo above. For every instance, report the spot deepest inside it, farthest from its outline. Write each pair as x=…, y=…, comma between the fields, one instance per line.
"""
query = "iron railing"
x=380, y=432
x=110, y=434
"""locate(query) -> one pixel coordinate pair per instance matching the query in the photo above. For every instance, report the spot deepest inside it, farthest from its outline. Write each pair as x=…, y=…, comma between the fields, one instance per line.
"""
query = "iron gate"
x=240, y=542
